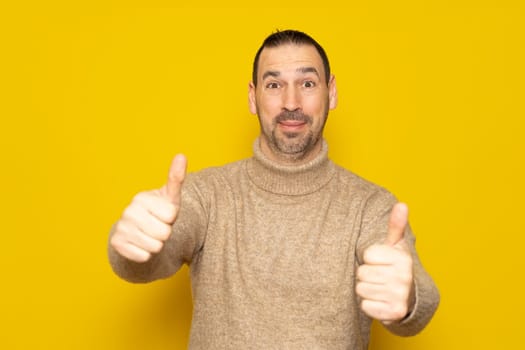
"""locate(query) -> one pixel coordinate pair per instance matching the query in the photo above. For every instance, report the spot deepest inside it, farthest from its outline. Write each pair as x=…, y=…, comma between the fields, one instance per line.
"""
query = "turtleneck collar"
x=292, y=180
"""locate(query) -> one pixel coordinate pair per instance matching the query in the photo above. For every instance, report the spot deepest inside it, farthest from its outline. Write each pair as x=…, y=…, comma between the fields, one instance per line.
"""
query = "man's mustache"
x=293, y=115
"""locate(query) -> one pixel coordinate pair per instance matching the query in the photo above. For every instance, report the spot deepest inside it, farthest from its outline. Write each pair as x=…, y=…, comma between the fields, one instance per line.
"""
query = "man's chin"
x=291, y=135
x=292, y=146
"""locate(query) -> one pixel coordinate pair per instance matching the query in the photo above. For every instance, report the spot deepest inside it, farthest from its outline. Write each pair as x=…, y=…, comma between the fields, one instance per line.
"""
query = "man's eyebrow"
x=302, y=70
x=305, y=70
x=271, y=73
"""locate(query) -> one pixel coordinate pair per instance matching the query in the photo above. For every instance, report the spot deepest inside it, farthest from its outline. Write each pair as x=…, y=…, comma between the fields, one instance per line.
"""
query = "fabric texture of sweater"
x=273, y=252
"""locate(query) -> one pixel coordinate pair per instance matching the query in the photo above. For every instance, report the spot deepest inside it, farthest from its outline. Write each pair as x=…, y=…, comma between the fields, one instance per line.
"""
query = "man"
x=286, y=249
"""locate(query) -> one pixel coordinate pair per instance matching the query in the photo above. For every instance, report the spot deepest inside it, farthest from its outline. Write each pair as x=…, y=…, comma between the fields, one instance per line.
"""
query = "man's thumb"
x=397, y=224
x=176, y=176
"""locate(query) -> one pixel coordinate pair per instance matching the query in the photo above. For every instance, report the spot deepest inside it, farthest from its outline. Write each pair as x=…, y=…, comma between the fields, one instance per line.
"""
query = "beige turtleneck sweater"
x=273, y=252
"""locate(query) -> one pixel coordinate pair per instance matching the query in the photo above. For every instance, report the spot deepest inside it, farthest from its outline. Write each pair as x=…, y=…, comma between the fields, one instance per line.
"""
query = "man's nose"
x=291, y=99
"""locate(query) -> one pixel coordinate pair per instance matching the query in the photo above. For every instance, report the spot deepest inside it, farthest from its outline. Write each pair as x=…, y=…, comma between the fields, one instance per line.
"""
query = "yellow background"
x=97, y=98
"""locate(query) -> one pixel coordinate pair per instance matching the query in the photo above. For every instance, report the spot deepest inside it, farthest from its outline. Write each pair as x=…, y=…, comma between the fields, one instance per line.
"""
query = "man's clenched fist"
x=146, y=223
x=385, y=281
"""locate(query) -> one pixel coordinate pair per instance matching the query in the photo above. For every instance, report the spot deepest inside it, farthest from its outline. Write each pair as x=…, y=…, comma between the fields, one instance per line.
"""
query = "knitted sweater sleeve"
x=376, y=213
x=185, y=242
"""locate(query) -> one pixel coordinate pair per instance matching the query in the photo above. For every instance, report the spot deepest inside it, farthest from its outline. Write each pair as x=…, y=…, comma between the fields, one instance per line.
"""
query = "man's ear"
x=332, y=92
x=251, y=98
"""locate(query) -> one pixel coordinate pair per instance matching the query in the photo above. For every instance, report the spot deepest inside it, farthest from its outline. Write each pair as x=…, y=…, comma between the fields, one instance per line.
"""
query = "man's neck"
x=286, y=179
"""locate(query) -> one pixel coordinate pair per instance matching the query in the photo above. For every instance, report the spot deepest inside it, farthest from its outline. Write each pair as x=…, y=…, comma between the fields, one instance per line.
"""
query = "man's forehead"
x=290, y=56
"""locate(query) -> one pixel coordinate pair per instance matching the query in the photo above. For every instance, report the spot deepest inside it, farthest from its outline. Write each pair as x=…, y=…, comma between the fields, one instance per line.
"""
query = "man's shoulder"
x=358, y=184
x=216, y=172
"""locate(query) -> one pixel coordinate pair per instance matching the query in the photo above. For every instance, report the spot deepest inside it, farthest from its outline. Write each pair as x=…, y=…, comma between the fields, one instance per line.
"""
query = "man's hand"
x=385, y=280
x=146, y=223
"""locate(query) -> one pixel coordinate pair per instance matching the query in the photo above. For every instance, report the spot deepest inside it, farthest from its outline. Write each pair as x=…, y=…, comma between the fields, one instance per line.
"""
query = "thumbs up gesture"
x=146, y=223
x=385, y=280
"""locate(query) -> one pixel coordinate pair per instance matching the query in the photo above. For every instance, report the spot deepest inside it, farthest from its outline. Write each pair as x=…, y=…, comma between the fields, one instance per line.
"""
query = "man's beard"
x=292, y=145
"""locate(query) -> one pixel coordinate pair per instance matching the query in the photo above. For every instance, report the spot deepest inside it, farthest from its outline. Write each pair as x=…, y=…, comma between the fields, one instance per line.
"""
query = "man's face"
x=292, y=99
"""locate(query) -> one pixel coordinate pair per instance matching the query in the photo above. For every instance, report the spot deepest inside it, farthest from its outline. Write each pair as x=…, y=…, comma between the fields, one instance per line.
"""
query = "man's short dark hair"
x=290, y=37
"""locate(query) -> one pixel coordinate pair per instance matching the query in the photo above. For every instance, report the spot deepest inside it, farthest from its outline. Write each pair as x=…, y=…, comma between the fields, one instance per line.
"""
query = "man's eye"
x=272, y=85
x=309, y=84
